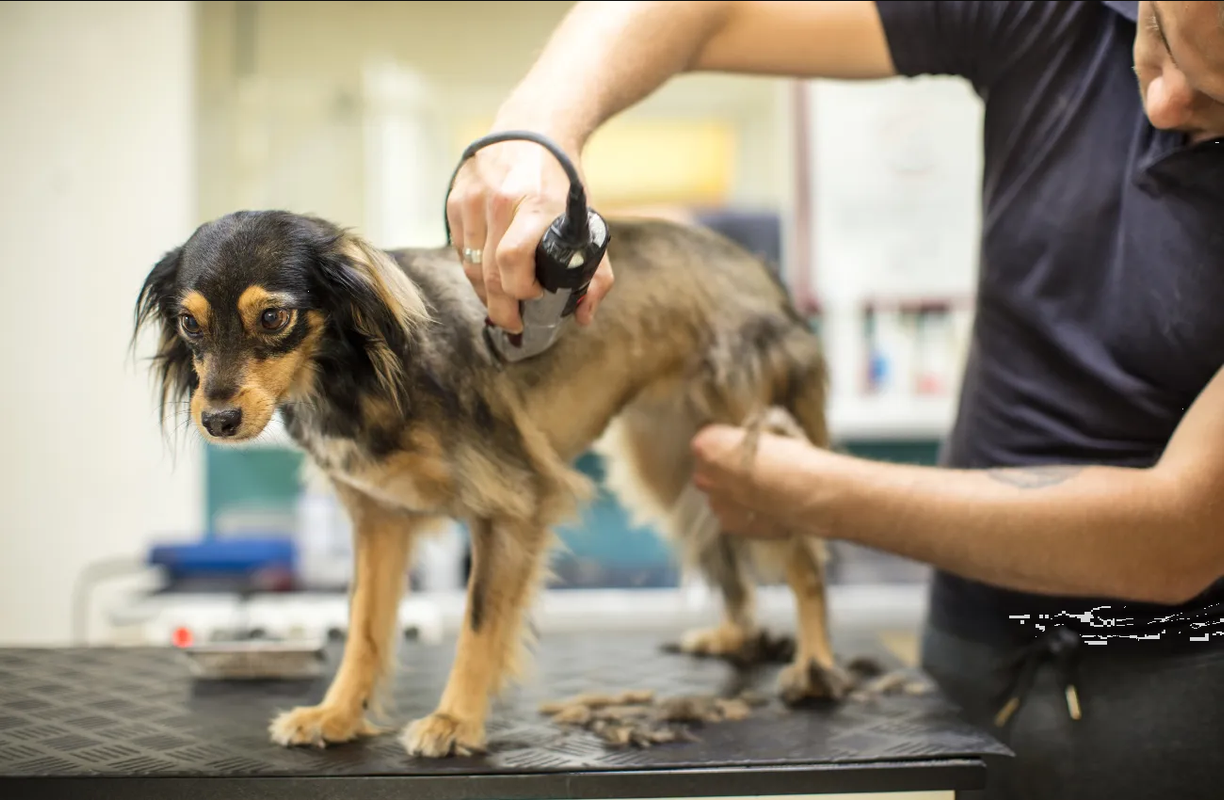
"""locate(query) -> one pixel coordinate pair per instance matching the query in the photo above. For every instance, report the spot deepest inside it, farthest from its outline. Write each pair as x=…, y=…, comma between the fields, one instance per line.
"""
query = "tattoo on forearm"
x=1034, y=477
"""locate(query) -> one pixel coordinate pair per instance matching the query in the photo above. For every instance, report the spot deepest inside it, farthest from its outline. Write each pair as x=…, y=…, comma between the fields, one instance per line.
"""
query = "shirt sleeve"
x=979, y=41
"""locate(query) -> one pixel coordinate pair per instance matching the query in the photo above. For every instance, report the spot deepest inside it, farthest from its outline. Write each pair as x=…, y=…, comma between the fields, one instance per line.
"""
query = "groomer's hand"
x=502, y=203
x=772, y=498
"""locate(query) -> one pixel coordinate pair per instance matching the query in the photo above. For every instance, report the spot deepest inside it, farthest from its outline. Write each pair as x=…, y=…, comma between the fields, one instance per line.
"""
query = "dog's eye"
x=274, y=319
x=190, y=326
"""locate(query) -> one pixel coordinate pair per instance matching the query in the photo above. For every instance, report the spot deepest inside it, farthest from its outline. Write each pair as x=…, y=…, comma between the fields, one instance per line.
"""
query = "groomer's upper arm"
x=866, y=39
x=808, y=39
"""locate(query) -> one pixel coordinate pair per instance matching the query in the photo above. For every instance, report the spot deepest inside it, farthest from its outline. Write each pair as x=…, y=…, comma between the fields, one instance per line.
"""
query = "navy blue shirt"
x=1100, y=304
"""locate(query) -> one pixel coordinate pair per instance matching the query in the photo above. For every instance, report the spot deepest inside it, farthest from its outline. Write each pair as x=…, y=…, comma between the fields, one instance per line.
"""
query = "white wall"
x=294, y=97
x=97, y=159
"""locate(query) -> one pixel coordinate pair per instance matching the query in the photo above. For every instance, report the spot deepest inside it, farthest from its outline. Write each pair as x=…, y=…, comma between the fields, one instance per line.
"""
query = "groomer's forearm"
x=1093, y=531
x=603, y=58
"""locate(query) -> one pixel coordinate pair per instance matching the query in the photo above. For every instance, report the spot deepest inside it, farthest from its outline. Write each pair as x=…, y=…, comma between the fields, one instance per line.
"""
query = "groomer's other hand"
x=502, y=203
x=769, y=498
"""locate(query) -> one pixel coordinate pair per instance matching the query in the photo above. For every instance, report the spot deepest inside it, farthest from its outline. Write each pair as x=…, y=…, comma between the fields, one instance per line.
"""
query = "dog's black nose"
x=222, y=423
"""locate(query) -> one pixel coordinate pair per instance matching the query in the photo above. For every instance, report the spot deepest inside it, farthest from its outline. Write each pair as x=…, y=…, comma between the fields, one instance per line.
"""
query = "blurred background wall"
x=128, y=124
x=98, y=158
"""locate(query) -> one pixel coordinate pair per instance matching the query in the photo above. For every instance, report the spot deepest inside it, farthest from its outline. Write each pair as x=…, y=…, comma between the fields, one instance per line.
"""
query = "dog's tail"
x=770, y=362
x=800, y=382
x=768, y=375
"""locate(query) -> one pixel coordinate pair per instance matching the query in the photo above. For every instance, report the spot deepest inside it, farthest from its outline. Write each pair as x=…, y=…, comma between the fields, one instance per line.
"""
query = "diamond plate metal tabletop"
x=132, y=723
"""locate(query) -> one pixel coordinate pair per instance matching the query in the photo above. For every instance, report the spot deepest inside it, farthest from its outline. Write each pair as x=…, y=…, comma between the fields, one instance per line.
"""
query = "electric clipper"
x=565, y=260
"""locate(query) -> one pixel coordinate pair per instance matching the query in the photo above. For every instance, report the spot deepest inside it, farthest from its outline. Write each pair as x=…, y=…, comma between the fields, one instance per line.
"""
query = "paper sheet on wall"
x=895, y=180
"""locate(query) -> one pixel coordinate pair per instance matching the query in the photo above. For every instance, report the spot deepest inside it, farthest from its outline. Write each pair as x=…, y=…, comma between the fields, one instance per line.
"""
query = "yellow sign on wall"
x=632, y=162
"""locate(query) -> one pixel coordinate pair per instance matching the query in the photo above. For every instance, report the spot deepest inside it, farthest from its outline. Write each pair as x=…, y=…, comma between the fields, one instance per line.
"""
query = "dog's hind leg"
x=722, y=562
x=508, y=560
x=382, y=540
x=814, y=673
x=649, y=467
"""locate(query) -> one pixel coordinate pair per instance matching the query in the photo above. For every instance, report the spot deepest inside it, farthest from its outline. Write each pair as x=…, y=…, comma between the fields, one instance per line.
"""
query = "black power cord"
x=574, y=228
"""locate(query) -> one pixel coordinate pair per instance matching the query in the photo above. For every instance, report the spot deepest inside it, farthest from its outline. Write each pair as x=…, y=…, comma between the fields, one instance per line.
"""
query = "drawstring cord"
x=1062, y=645
x=1191, y=628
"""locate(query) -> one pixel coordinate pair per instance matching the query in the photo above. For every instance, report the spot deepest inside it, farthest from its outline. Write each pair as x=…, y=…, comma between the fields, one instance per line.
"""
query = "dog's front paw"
x=441, y=735
x=319, y=726
x=809, y=680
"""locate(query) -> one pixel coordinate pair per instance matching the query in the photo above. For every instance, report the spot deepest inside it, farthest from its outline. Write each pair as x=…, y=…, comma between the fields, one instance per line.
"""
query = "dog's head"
x=247, y=304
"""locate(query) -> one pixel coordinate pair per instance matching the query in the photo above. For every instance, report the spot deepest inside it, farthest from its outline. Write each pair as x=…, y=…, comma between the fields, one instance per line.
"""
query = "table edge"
x=949, y=774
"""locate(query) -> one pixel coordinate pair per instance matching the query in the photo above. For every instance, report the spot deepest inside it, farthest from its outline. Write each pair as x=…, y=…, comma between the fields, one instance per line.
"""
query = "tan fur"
x=696, y=331
x=507, y=561
x=253, y=302
x=417, y=476
x=264, y=382
x=302, y=379
x=382, y=540
x=396, y=291
x=197, y=306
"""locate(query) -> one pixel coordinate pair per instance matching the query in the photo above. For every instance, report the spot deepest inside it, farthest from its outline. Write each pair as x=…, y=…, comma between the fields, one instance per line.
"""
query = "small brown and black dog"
x=379, y=368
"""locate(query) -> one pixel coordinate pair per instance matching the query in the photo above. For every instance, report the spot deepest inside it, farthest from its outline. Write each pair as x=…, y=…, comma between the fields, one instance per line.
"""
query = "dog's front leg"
x=507, y=559
x=382, y=540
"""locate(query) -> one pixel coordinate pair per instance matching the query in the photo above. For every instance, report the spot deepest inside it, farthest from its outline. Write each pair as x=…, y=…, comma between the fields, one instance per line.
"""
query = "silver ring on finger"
x=473, y=255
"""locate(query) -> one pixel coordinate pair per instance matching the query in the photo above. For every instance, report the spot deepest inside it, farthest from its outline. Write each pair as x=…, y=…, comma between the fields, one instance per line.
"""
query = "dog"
x=377, y=363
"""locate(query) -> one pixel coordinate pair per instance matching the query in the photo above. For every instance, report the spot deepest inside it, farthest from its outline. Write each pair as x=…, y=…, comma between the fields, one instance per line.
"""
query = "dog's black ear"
x=371, y=296
x=155, y=308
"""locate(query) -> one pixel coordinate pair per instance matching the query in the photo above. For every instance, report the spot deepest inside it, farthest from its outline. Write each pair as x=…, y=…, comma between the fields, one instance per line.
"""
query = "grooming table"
x=132, y=723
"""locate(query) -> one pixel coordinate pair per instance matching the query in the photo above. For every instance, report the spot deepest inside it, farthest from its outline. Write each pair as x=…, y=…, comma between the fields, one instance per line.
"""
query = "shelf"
x=437, y=614
x=877, y=418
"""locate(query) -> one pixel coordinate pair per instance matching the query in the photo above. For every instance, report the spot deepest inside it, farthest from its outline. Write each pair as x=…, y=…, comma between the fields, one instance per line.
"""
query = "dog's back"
x=694, y=324
x=695, y=327
x=696, y=330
